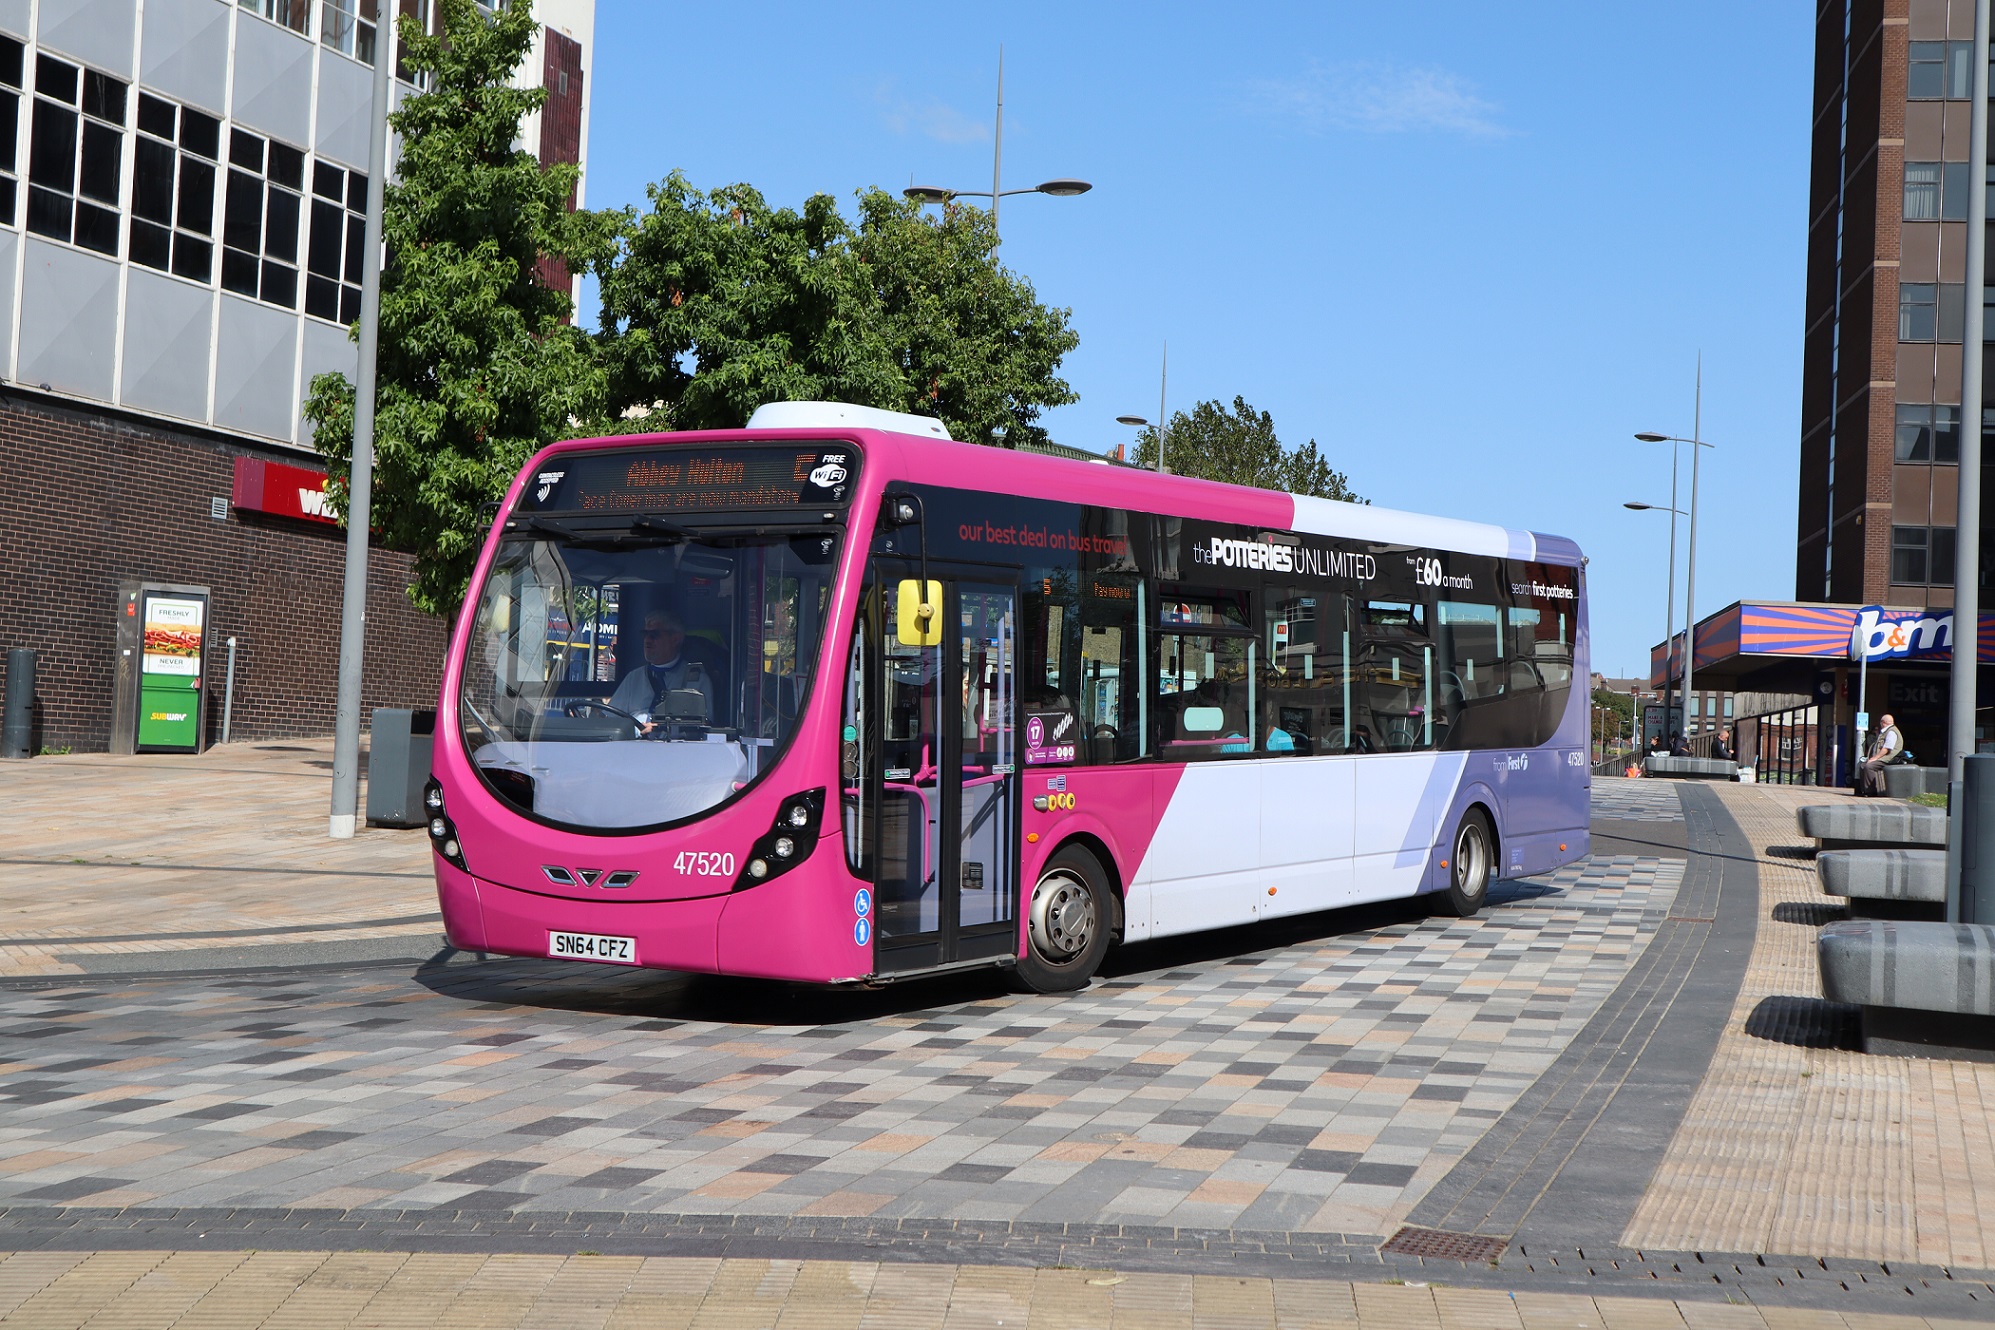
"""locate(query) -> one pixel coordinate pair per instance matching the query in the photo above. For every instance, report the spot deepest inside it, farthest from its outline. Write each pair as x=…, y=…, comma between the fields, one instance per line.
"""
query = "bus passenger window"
x=1205, y=706
x=1109, y=688
x=1394, y=682
x=1303, y=681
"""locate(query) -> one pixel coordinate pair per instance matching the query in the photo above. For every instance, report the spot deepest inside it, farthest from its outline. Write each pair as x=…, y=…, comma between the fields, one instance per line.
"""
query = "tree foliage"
x=1239, y=446
x=477, y=368
x=716, y=302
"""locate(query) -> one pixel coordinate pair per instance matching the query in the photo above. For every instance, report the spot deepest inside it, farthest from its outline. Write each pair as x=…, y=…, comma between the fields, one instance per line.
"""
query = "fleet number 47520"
x=703, y=863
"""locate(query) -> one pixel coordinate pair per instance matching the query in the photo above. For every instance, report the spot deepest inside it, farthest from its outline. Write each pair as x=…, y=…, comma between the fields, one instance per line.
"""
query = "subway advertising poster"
x=170, y=673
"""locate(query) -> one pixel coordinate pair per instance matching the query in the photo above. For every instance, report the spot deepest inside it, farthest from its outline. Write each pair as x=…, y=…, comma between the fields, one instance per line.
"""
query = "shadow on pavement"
x=1813, y=914
x=1807, y=1023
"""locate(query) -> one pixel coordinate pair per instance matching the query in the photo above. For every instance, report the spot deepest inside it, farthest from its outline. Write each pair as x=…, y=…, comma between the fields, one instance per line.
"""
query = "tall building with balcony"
x=182, y=191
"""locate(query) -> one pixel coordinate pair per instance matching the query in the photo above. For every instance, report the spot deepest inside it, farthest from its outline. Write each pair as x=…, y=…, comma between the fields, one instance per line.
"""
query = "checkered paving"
x=1320, y=1082
x=1642, y=799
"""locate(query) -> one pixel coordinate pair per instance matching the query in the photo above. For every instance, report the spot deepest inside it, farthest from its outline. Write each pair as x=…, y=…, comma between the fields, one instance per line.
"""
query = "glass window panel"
x=197, y=196
x=322, y=298
x=245, y=150
x=1960, y=66
x=287, y=166
x=239, y=272
x=56, y=78
x=1953, y=194
x=280, y=230
x=103, y=97
x=1926, y=74
x=1946, y=434
x=1205, y=697
x=193, y=257
x=8, y=188
x=349, y=304
x=102, y=148
x=1908, y=555
x=156, y=116
x=151, y=245
x=328, y=229
x=11, y=53
x=242, y=216
x=1922, y=191
x=280, y=284
x=356, y=247
x=356, y=191
x=201, y=133
x=1952, y=317
x=1939, y=568
x=52, y=154
x=49, y=213
x=1916, y=310
x=152, y=182
x=10, y=120
x=328, y=181
x=1302, y=691
x=96, y=228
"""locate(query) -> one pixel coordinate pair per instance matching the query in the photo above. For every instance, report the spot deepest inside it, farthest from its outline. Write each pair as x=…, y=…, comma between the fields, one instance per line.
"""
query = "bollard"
x=17, y=731
x=1976, y=811
x=229, y=692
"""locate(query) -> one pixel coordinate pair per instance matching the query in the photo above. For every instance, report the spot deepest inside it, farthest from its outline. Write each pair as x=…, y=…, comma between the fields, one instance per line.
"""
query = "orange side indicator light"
x=1271, y=891
x=1562, y=847
x=1032, y=837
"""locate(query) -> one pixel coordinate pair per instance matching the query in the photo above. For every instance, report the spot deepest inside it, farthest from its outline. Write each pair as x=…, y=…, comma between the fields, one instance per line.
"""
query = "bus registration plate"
x=592, y=947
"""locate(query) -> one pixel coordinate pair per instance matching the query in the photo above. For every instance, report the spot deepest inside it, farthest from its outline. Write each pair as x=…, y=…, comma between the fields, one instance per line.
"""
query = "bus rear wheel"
x=1471, y=861
x=1067, y=924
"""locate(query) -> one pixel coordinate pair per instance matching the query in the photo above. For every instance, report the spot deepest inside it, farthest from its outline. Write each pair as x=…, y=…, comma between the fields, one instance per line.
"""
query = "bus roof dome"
x=832, y=415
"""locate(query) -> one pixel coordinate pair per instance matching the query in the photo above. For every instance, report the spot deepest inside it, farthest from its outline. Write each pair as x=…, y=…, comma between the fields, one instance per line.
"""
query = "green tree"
x=1614, y=715
x=1239, y=446
x=477, y=366
x=716, y=302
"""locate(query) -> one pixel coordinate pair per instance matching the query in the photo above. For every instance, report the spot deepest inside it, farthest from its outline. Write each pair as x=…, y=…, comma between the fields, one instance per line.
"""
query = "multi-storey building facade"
x=1881, y=378
x=182, y=189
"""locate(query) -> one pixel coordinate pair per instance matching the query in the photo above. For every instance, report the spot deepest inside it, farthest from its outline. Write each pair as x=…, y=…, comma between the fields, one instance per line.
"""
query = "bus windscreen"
x=691, y=479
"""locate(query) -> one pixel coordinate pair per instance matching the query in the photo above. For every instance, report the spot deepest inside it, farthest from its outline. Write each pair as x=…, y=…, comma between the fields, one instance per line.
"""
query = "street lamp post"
x=1669, y=603
x=1063, y=188
x=1696, y=442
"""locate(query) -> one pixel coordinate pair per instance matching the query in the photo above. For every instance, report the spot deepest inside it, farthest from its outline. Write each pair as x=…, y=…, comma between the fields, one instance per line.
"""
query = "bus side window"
x=1049, y=648
x=1109, y=688
x=1394, y=681
x=1304, y=680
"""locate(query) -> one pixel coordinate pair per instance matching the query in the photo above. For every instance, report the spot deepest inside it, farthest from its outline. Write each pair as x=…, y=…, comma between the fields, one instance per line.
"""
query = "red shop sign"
x=283, y=491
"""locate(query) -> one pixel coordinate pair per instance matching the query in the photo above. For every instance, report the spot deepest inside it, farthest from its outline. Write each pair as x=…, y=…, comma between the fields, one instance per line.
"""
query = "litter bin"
x=398, y=766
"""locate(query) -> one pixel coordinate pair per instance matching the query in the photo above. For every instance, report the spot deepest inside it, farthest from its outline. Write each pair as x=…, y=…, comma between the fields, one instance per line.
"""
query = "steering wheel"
x=579, y=705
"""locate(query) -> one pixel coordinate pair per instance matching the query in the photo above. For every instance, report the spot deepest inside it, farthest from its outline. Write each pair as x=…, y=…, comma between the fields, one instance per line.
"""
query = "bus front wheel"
x=1067, y=924
x=1470, y=864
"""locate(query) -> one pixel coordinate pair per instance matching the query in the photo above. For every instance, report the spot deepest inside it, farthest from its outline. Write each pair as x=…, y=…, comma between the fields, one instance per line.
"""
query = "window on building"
x=1928, y=433
x=1936, y=191
x=293, y=14
x=348, y=27
x=260, y=224
x=1930, y=311
x=12, y=65
x=173, y=189
x=76, y=155
x=1939, y=70
x=339, y=225
x=1922, y=556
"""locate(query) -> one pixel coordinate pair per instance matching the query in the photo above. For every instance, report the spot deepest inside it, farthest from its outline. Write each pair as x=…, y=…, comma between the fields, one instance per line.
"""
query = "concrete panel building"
x=182, y=190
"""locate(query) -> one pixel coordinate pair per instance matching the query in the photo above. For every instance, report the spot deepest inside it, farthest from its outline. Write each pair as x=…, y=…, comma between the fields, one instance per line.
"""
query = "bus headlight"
x=442, y=834
x=787, y=843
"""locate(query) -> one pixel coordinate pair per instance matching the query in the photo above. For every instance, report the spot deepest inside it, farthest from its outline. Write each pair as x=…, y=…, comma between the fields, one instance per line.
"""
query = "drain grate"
x=1439, y=1244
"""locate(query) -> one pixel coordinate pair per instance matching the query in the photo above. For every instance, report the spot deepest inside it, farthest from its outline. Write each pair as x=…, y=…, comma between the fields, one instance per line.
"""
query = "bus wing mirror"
x=918, y=618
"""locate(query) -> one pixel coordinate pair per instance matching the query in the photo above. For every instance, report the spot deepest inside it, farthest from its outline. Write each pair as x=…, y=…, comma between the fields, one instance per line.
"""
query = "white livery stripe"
x=1357, y=521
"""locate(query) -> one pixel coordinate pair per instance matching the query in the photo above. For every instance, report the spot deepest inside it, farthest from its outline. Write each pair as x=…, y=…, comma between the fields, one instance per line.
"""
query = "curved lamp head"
x=1064, y=189
x=1639, y=507
x=1652, y=438
x=1137, y=421
x=929, y=193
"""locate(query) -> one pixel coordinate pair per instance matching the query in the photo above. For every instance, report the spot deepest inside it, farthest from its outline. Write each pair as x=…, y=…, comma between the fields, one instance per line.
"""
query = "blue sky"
x=1469, y=249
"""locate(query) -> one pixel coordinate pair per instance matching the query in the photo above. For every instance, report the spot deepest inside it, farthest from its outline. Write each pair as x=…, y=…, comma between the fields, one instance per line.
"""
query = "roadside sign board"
x=174, y=635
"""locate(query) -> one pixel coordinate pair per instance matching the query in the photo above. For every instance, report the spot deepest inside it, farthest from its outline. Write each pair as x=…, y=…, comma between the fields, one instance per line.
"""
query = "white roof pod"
x=833, y=415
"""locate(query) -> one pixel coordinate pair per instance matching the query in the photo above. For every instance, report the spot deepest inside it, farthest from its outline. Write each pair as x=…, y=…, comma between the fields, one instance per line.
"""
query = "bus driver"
x=665, y=670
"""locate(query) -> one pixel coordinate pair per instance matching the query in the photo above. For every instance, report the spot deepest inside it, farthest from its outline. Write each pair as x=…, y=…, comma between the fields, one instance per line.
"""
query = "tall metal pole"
x=997, y=151
x=360, y=482
x=1967, y=524
x=1163, y=382
x=1669, y=601
x=1690, y=576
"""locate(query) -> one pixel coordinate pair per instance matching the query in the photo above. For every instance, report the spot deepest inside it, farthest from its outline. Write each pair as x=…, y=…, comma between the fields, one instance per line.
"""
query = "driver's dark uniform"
x=643, y=690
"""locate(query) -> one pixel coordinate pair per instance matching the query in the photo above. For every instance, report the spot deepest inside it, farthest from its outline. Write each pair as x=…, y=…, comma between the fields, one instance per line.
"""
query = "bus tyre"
x=1068, y=917
x=1471, y=860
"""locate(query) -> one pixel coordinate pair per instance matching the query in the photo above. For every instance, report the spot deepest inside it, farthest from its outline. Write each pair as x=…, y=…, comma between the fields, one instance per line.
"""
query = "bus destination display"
x=689, y=480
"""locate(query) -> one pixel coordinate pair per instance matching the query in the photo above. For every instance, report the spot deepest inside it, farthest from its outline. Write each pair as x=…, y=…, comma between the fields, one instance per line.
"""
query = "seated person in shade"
x=665, y=670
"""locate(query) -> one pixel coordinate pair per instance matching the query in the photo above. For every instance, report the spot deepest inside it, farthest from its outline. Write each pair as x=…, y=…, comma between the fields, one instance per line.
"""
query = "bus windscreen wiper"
x=541, y=526
x=658, y=526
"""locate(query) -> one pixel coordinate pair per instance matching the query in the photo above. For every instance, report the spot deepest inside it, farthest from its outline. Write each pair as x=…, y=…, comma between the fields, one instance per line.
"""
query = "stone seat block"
x=1689, y=768
x=1891, y=875
x=1880, y=823
x=1926, y=989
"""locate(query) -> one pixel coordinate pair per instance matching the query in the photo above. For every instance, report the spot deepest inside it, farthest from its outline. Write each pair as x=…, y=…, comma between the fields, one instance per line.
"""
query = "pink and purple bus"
x=835, y=699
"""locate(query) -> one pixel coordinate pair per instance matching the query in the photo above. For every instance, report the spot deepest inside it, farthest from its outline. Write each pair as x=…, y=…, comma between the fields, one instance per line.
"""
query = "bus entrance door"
x=947, y=834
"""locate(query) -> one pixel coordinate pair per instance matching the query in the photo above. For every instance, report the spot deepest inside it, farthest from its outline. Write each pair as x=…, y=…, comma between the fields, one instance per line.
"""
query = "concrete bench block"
x=1926, y=989
x=1874, y=824
x=1890, y=875
x=1690, y=768
x=1902, y=782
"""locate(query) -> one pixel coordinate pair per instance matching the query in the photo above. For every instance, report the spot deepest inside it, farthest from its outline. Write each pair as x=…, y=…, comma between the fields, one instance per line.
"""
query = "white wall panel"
x=166, y=345
x=69, y=317
x=273, y=81
x=346, y=104
x=185, y=51
x=10, y=243
x=14, y=17
x=326, y=349
x=255, y=357
x=97, y=32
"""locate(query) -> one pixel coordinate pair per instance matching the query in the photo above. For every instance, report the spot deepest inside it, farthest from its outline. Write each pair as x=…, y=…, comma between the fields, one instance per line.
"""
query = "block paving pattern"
x=47, y=1290
x=1318, y=1084
x=1641, y=799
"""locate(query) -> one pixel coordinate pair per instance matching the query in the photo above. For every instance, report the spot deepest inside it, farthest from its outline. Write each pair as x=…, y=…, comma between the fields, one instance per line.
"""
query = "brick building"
x=181, y=193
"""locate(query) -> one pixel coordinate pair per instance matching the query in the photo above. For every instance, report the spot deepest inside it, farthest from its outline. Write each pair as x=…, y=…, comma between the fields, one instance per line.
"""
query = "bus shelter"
x=1798, y=682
